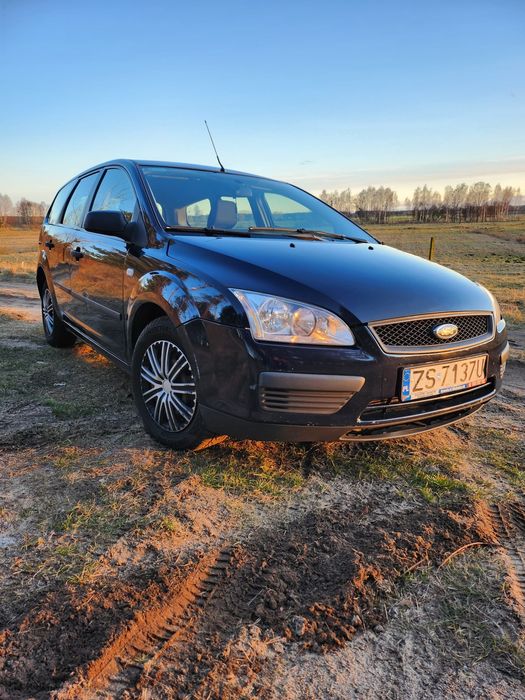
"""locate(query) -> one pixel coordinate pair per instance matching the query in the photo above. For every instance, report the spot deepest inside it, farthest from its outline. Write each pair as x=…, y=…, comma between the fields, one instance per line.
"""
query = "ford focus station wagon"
x=244, y=306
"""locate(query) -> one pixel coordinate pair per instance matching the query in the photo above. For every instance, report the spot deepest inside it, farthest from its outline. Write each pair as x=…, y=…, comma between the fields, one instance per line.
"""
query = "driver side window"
x=116, y=193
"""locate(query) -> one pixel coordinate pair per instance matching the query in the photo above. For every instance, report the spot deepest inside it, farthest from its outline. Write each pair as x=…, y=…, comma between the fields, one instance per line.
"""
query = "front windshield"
x=228, y=202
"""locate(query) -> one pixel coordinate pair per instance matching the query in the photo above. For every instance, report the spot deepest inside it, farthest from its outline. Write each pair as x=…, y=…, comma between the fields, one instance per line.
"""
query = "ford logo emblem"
x=445, y=331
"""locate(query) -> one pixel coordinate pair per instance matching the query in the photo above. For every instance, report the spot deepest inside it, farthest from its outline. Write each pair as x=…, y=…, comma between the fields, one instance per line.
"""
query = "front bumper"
x=266, y=391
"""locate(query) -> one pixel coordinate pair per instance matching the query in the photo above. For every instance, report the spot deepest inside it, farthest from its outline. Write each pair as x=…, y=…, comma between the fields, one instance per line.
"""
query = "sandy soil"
x=20, y=299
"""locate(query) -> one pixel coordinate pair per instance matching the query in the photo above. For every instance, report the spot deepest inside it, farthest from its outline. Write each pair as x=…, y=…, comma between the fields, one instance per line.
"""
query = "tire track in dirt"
x=313, y=582
x=509, y=526
x=208, y=629
x=153, y=633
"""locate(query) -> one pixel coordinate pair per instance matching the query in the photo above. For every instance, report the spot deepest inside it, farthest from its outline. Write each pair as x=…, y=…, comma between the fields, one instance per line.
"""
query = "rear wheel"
x=55, y=330
x=165, y=388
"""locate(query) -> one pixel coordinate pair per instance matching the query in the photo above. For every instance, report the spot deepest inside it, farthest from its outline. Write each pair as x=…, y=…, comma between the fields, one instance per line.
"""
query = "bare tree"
x=25, y=210
x=501, y=199
x=375, y=204
x=477, y=200
x=6, y=208
x=426, y=204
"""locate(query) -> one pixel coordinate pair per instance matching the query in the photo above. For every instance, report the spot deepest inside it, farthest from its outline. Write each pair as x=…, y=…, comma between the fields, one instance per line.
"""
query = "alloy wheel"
x=168, y=385
x=48, y=311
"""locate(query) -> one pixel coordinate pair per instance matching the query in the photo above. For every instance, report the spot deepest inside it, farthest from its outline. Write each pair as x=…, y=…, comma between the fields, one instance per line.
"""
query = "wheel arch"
x=41, y=279
x=145, y=313
x=155, y=295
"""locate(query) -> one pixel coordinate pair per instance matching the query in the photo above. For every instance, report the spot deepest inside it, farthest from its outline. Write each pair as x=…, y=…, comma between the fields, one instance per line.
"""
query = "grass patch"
x=273, y=469
x=18, y=253
x=504, y=450
x=104, y=517
x=170, y=524
x=66, y=410
x=68, y=458
x=432, y=470
x=463, y=612
x=17, y=369
x=472, y=607
x=251, y=467
x=55, y=559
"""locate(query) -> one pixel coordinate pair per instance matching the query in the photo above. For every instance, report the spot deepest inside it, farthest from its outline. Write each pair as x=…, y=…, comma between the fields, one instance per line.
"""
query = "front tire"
x=55, y=330
x=163, y=375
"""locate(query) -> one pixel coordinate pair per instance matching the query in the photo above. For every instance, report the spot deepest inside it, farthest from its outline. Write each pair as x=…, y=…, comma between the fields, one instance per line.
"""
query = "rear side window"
x=74, y=213
x=116, y=193
x=58, y=205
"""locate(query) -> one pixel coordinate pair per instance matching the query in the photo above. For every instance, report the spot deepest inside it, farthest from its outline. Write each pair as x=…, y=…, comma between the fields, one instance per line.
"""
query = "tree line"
x=25, y=210
x=477, y=202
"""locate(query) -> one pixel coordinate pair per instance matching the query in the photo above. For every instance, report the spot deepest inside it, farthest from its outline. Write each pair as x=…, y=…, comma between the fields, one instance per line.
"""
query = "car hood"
x=362, y=282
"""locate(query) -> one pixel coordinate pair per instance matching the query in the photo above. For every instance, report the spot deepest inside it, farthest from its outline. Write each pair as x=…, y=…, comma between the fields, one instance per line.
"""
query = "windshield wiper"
x=306, y=232
x=208, y=231
x=297, y=232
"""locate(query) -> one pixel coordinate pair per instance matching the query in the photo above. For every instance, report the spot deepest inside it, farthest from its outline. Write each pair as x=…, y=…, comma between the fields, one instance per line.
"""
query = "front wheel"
x=165, y=389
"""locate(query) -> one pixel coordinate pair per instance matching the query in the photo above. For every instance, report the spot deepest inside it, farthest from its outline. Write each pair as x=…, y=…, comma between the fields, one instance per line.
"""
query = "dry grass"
x=466, y=602
x=18, y=253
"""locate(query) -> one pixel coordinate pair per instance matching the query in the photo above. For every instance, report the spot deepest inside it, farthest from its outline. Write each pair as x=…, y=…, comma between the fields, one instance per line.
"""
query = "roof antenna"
x=213, y=144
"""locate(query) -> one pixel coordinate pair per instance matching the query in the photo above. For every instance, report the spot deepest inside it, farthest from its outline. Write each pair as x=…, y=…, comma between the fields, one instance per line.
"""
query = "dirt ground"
x=391, y=570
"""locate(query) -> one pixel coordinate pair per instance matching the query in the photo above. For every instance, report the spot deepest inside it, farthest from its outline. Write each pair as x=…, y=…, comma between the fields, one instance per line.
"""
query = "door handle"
x=77, y=253
x=49, y=244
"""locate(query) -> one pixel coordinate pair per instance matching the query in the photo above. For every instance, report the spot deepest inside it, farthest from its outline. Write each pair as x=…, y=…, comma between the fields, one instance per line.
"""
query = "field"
x=250, y=570
x=17, y=253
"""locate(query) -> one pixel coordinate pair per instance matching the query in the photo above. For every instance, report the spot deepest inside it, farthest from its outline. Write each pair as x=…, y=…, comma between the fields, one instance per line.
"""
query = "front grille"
x=302, y=401
x=417, y=333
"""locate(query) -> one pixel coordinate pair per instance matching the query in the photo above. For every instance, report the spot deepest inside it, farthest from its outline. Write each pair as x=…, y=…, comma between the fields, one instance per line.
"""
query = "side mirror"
x=111, y=222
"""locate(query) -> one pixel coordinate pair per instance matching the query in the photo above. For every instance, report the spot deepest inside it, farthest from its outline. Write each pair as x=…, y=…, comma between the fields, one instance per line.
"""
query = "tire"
x=169, y=409
x=55, y=329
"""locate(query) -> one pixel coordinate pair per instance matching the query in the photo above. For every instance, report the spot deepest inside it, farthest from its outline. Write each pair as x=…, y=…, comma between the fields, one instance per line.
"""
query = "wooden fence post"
x=431, y=249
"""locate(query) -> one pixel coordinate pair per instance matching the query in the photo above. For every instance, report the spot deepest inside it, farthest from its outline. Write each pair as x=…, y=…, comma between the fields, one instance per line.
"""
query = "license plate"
x=444, y=377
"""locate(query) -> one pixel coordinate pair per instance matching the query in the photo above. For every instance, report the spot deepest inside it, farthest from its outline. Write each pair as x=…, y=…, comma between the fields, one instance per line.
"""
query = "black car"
x=244, y=306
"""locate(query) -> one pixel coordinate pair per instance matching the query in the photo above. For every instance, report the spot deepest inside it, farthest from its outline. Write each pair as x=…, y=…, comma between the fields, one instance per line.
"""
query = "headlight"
x=500, y=321
x=498, y=316
x=286, y=321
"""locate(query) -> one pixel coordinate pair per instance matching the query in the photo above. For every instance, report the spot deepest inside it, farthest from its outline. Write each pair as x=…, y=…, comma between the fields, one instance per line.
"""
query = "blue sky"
x=323, y=94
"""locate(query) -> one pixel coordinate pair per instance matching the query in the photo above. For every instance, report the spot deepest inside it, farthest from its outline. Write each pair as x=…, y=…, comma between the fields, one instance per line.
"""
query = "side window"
x=116, y=193
x=77, y=204
x=58, y=204
x=288, y=213
x=197, y=213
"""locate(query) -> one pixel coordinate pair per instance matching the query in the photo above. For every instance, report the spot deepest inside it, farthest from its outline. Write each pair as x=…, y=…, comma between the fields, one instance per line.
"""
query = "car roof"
x=168, y=164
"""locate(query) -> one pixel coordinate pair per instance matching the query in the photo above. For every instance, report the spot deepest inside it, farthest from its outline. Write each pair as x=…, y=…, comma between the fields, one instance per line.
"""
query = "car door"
x=54, y=242
x=98, y=266
x=71, y=230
